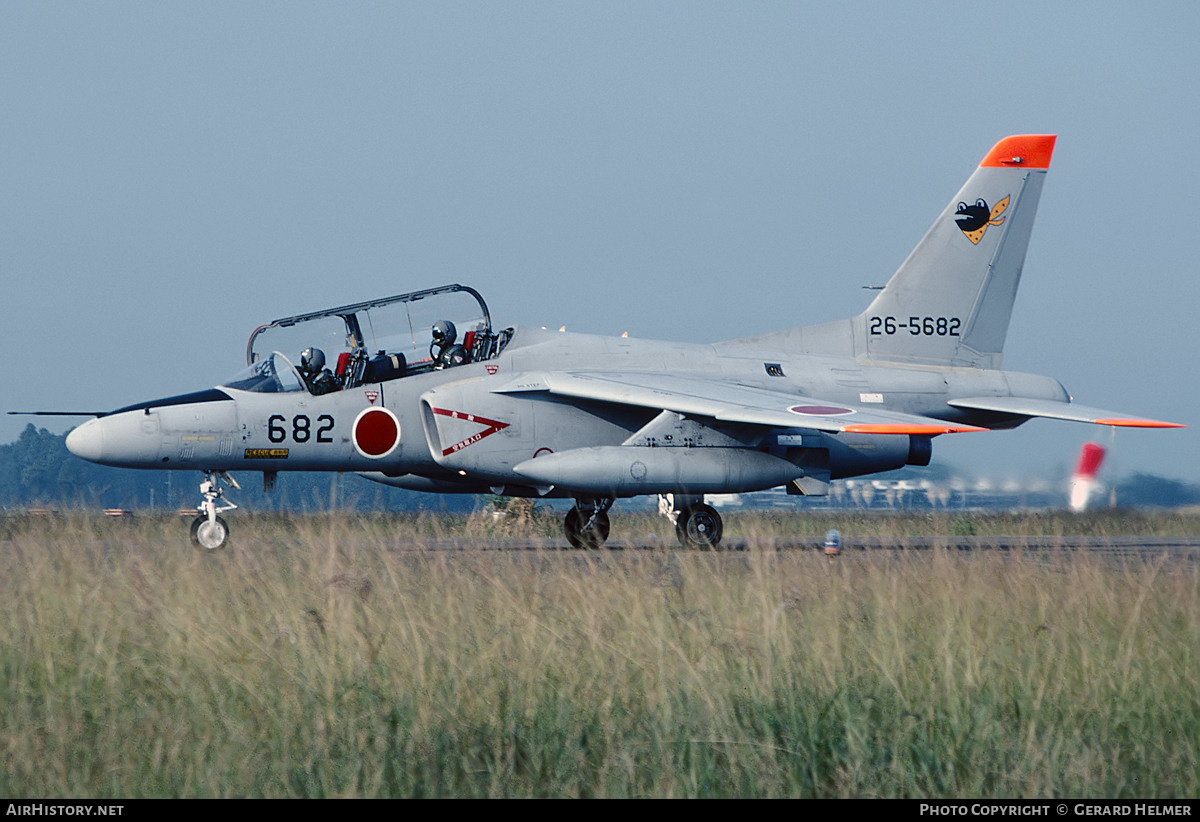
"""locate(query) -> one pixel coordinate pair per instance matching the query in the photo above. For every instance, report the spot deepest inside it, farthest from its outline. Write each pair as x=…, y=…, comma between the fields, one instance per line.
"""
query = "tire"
x=582, y=536
x=700, y=526
x=209, y=536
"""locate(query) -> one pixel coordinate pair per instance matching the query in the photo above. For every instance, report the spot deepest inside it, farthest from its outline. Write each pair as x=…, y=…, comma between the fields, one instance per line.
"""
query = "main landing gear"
x=209, y=531
x=697, y=525
x=586, y=524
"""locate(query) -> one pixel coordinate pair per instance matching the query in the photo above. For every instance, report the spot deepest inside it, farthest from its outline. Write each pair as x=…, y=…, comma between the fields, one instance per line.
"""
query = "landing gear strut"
x=586, y=525
x=208, y=530
x=697, y=525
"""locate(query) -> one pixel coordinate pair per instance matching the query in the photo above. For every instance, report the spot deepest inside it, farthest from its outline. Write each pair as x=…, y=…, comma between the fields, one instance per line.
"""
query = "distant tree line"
x=38, y=471
x=1150, y=490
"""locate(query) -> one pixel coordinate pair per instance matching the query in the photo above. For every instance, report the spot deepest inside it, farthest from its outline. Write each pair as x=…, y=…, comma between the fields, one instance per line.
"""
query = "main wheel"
x=699, y=526
x=582, y=534
x=211, y=536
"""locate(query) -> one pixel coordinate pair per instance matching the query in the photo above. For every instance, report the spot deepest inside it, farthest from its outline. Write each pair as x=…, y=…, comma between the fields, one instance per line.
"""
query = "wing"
x=1053, y=409
x=60, y=413
x=727, y=402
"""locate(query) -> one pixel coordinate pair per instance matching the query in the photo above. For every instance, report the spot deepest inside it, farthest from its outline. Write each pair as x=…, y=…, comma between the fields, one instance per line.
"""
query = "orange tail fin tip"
x=1024, y=150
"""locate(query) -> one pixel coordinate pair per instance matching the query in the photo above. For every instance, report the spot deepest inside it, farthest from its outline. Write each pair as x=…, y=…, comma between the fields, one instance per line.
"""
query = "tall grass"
x=313, y=658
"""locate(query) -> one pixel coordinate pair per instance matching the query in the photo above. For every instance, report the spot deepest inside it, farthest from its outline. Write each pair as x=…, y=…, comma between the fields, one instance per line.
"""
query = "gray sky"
x=173, y=175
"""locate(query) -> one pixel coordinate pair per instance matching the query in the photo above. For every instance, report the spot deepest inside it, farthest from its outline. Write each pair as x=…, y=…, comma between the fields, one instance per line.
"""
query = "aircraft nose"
x=87, y=441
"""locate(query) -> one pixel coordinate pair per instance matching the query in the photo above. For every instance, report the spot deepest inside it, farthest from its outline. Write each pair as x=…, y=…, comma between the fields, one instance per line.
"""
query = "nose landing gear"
x=209, y=531
x=209, y=535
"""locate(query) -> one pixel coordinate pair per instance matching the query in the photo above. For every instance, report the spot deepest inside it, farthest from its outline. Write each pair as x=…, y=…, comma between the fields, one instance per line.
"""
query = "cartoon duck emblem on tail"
x=974, y=219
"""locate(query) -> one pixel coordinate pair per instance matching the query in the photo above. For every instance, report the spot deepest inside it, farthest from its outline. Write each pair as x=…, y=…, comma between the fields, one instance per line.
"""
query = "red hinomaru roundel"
x=376, y=432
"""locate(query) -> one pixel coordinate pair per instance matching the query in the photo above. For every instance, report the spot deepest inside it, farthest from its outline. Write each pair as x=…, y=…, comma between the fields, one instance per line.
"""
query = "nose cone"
x=87, y=441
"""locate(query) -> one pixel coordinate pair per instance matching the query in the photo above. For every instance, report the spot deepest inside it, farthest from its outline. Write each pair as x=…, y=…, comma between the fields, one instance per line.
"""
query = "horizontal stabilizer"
x=1055, y=410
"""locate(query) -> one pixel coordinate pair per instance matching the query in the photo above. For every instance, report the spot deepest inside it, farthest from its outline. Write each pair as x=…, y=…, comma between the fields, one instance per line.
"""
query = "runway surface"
x=1187, y=548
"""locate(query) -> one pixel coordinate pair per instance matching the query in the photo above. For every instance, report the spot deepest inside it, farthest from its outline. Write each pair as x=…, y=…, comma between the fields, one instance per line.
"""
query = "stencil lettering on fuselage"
x=490, y=427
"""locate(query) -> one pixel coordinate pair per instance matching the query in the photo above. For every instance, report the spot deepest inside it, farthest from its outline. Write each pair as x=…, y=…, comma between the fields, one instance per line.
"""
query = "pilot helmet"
x=312, y=360
x=444, y=332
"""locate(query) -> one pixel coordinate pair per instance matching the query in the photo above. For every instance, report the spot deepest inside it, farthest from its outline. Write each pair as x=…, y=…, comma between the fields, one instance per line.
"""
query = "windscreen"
x=273, y=375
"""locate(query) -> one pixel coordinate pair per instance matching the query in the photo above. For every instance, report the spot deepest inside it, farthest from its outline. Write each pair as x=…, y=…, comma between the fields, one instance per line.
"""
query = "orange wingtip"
x=1021, y=151
x=1141, y=423
x=905, y=428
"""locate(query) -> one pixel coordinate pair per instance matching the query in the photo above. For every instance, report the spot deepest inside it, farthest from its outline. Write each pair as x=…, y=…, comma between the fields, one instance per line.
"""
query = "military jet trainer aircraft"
x=531, y=413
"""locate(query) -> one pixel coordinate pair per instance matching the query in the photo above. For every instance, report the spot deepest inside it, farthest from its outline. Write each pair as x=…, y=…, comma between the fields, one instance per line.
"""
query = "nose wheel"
x=210, y=536
x=210, y=531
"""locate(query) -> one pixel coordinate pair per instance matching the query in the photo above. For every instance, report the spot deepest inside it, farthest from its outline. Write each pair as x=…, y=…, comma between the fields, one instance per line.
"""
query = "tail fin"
x=951, y=300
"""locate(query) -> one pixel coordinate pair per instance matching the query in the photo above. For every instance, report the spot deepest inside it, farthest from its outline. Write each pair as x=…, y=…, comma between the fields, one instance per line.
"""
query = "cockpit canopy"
x=386, y=338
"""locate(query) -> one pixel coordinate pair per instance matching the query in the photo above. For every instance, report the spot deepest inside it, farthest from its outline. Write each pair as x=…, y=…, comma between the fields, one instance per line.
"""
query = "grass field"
x=312, y=658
